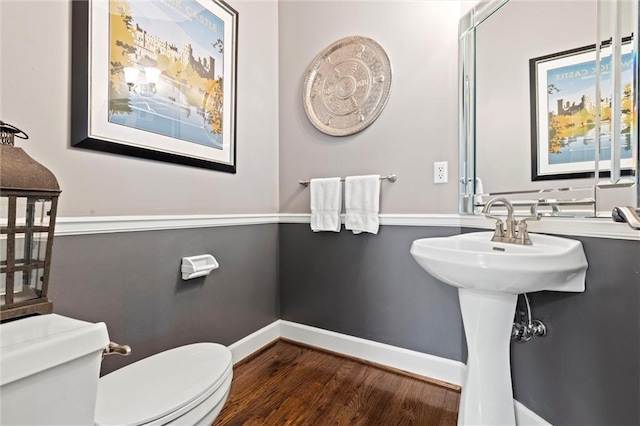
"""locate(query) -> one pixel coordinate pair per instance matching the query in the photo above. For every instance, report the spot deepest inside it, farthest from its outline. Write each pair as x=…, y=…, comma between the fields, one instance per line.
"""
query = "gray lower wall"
x=132, y=282
x=586, y=371
x=369, y=286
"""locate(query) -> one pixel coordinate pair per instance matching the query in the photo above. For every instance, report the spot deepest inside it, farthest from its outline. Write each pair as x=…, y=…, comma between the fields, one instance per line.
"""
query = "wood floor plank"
x=260, y=390
x=378, y=393
x=255, y=383
x=450, y=409
x=305, y=392
x=289, y=384
x=425, y=403
x=329, y=404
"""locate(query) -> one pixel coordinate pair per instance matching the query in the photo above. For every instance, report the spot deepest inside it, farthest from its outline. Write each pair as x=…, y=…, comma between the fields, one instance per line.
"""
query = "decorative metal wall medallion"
x=347, y=86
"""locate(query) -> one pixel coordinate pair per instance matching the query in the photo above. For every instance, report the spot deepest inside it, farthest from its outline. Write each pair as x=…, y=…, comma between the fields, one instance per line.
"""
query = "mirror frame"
x=467, y=122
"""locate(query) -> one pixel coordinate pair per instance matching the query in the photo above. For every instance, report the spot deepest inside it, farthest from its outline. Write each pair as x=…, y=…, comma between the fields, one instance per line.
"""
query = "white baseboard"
x=413, y=362
x=442, y=369
x=255, y=341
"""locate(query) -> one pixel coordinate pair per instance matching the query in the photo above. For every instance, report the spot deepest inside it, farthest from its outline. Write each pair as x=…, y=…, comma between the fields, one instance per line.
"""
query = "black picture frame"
x=575, y=61
x=129, y=140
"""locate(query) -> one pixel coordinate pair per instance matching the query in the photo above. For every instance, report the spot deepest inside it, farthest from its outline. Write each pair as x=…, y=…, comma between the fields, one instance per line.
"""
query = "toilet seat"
x=165, y=386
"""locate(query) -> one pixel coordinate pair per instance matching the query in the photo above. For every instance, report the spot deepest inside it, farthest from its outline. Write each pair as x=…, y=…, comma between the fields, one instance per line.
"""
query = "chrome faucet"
x=501, y=234
x=511, y=230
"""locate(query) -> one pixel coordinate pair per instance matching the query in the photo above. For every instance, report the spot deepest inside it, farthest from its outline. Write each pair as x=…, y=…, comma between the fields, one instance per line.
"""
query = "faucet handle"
x=522, y=237
x=499, y=232
x=488, y=216
x=523, y=222
x=522, y=234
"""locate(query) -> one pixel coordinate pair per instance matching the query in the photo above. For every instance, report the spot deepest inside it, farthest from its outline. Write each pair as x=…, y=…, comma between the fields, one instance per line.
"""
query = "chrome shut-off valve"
x=524, y=326
x=523, y=332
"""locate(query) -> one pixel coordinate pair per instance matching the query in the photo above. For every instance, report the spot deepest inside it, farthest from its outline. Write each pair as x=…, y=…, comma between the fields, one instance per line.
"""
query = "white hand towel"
x=362, y=203
x=326, y=202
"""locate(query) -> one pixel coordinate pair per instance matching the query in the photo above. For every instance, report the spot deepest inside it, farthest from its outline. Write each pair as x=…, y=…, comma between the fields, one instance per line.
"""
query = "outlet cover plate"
x=440, y=172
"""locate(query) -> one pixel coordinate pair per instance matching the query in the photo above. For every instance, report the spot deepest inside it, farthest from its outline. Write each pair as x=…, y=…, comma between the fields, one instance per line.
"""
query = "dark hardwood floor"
x=290, y=384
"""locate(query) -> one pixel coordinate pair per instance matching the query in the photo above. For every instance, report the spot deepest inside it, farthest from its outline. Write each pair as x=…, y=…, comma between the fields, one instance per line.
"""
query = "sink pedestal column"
x=487, y=395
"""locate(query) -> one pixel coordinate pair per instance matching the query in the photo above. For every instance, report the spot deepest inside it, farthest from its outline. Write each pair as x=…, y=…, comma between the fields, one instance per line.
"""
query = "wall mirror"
x=531, y=126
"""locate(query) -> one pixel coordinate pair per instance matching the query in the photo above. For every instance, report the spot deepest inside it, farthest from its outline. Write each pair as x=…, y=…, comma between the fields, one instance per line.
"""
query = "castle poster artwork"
x=566, y=110
x=166, y=69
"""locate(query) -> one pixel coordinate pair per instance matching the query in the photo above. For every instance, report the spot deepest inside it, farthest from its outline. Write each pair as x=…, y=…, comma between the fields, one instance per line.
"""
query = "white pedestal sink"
x=489, y=276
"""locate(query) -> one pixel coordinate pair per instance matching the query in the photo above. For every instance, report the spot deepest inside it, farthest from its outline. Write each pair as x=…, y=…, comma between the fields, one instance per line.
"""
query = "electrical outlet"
x=440, y=172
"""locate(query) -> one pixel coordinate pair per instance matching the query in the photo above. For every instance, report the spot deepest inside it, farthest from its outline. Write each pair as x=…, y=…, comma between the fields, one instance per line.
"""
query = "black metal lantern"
x=28, y=204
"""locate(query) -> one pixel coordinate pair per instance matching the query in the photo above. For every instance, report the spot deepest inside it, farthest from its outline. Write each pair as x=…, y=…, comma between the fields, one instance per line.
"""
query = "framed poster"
x=563, y=103
x=156, y=80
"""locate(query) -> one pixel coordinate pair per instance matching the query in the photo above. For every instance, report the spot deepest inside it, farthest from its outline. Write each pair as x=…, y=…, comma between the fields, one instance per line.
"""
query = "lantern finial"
x=8, y=132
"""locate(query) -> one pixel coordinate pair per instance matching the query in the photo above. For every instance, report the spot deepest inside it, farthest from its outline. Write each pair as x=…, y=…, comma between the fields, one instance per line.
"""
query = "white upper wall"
x=276, y=144
x=34, y=96
x=419, y=123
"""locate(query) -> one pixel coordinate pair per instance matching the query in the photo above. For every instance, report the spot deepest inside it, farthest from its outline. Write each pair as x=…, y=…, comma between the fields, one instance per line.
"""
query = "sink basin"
x=489, y=276
x=473, y=261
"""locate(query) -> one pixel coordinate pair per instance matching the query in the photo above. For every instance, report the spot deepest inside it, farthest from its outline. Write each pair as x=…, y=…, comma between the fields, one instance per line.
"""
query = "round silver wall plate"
x=347, y=86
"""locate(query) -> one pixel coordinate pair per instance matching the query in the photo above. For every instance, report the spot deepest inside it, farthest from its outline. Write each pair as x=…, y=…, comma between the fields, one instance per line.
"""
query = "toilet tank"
x=49, y=369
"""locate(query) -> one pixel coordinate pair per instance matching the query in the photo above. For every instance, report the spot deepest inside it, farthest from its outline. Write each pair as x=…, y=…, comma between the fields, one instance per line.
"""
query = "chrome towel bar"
x=391, y=178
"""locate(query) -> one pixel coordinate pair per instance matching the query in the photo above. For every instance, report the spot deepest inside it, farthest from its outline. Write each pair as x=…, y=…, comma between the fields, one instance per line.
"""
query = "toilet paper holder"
x=198, y=266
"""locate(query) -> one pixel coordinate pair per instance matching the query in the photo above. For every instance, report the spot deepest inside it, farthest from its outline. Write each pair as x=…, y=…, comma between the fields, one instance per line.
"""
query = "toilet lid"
x=168, y=383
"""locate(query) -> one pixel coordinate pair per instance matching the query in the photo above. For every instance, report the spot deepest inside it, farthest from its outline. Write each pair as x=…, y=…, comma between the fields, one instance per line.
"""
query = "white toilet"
x=49, y=368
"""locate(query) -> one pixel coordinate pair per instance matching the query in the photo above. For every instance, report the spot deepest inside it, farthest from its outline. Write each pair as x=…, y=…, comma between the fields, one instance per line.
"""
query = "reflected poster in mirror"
x=563, y=113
